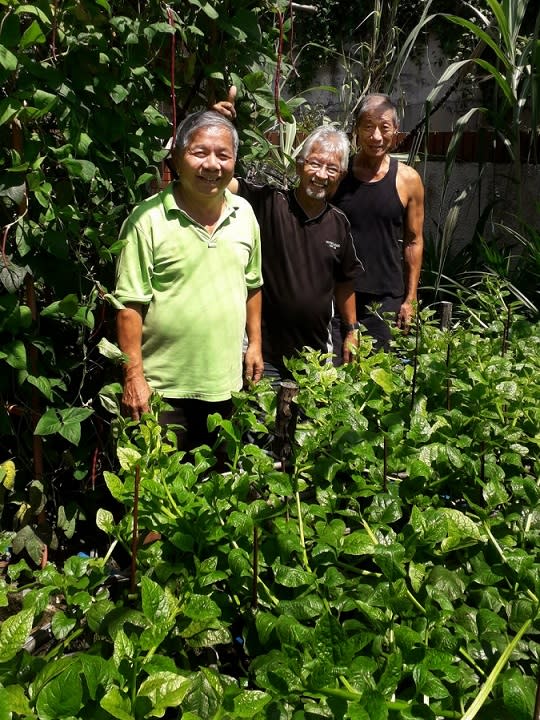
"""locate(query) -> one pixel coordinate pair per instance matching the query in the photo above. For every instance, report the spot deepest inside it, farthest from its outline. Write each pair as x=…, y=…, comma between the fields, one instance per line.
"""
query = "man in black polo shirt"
x=308, y=256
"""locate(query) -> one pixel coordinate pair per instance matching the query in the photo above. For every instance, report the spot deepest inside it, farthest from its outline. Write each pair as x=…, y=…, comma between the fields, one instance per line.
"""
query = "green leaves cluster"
x=391, y=571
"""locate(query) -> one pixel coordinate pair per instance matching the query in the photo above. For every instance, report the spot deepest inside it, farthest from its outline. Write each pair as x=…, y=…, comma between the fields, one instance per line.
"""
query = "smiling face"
x=376, y=130
x=319, y=173
x=206, y=165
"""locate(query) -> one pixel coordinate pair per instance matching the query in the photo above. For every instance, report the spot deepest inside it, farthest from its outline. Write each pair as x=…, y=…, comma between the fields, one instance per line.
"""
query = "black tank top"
x=377, y=219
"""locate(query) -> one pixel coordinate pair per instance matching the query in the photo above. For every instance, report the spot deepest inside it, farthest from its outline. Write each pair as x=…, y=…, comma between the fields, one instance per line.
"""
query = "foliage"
x=505, y=62
x=376, y=27
x=390, y=571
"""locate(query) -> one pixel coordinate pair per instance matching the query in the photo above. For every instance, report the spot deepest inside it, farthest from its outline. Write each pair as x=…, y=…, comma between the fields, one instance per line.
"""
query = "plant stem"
x=494, y=541
x=61, y=647
x=301, y=532
x=135, y=536
x=472, y=662
x=370, y=532
x=487, y=687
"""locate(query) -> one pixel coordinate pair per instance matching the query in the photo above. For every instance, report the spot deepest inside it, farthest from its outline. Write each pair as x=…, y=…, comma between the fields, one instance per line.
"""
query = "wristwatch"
x=349, y=327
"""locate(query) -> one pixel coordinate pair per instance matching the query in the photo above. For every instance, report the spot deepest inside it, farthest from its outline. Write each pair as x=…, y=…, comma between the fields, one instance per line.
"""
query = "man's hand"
x=405, y=315
x=253, y=364
x=350, y=341
x=226, y=107
x=136, y=395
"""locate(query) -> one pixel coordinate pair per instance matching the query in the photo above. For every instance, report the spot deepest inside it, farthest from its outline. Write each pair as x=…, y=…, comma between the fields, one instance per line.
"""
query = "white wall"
x=418, y=78
x=495, y=184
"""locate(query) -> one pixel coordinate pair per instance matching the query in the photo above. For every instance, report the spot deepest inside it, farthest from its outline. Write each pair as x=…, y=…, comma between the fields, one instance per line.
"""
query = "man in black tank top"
x=384, y=202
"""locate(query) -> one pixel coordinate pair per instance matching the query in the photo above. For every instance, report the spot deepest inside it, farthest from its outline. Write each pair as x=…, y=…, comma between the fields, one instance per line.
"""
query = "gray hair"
x=200, y=120
x=373, y=100
x=331, y=139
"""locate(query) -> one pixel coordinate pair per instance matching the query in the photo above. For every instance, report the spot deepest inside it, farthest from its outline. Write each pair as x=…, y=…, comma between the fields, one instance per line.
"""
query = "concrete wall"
x=418, y=78
x=495, y=184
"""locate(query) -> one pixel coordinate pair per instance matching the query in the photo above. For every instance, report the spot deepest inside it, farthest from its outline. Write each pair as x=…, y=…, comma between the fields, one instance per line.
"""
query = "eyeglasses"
x=331, y=170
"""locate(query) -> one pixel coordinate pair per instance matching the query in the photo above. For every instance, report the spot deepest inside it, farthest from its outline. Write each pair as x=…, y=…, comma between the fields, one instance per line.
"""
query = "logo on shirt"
x=333, y=245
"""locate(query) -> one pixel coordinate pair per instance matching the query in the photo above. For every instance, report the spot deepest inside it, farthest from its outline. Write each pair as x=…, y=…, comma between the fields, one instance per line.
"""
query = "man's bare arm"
x=253, y=360
x=226, y=107
x=413, y=242
x=129, y=324
x=346, y=306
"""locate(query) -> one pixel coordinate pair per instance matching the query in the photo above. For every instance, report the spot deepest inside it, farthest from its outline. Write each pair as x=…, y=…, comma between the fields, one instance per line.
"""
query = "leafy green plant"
x=390, y=570
x=504, y=60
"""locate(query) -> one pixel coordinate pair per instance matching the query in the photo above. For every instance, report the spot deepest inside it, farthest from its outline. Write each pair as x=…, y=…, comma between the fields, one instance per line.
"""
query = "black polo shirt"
x=302, y=260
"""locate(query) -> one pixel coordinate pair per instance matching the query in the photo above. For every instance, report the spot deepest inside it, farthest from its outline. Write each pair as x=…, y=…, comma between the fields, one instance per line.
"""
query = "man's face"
x=206, y=165
x=376, y=131
x=319, y=174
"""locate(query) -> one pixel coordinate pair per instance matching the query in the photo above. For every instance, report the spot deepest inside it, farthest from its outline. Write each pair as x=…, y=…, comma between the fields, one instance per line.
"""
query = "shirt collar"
x=232, y=203
x=301, y=213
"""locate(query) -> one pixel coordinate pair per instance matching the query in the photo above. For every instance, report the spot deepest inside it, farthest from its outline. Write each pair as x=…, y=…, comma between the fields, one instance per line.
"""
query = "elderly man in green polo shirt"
x=189, y=278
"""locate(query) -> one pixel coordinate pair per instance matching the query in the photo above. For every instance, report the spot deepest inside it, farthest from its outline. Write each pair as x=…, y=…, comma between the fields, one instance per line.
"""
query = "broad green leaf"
x=460, y=528
x=7, y=59
x=519, y=694
x=15, y=354
x=98, y=673
x=205, y=695
x=14, y=701
x=390, y=558
x=165, y=689
x=250, y=704
x=80, y=169
x=391, y=675
x=10, y=31
x=71, y=423
x=378, y=708
x=116, y=487
x=84, y=316
x=329, y=639
x=49, y=423
x=124, y=648
x=119, y=93
x=32, y=35
x=201, y=607
x=446, y=582
x=62, y=625
x=200, y=637
x=117, y=704
x=43, y=385
x=97, y=613
x=26, y=539
x=429, y=684
x=158, y=604
x=357, y=711
x=9, y=107
x=68, y=306
x=14, y=633
x=109, y=396
x=129, y=458
x=488, y=621
x=383, y=378
x=105, y=521
x=206, y=7
x=292, y=577
x=358, y=543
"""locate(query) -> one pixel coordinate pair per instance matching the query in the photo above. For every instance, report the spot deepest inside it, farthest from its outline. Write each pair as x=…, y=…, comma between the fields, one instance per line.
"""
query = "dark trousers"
x=374, y=321
x=191, y=415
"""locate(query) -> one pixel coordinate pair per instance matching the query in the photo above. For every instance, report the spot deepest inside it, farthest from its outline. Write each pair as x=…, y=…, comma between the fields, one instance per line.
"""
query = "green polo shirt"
x=194, y=285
